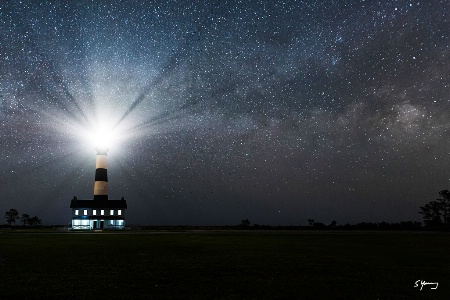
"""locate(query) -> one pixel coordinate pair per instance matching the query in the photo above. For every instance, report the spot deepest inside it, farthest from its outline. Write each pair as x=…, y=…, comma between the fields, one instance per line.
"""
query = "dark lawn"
x=225, y=265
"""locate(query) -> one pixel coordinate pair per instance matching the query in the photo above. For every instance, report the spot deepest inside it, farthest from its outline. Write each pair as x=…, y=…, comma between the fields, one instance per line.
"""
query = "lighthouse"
x=101, y=175
x=100, y=213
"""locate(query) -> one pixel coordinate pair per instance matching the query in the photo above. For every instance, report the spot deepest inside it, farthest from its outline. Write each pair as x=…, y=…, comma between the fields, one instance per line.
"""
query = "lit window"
x=102, y=212
x=119, y=212
x=85, y=212
x=76, y=212
x=94, y=212
x=111, y=212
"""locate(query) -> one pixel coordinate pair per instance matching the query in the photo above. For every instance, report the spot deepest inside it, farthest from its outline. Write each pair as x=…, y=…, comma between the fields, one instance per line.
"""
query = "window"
x=111, y=212
x=85, y=212
x=102, y=212
x=76, y=212
x=94, y=212
x=119, y=212
x=80, y=223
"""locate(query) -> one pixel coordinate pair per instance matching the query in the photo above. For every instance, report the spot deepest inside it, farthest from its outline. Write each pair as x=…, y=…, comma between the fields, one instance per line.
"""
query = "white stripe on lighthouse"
x=101, y=162
x=101, y=188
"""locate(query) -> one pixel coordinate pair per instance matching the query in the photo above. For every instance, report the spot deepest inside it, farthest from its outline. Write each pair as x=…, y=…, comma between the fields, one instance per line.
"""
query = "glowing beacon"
x=99, y=213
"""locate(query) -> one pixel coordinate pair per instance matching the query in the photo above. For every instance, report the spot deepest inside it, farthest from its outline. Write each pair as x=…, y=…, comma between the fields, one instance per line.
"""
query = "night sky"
x=272, y=111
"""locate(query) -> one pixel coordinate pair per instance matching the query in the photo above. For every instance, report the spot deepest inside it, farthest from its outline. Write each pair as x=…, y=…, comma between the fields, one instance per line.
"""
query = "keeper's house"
x=98, y=214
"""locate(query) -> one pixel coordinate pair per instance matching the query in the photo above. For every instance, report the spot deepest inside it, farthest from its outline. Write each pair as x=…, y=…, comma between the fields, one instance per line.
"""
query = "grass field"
x=224, y=265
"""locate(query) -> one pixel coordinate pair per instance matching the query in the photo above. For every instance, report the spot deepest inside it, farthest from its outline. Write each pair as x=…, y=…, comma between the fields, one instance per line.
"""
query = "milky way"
x=275, y=111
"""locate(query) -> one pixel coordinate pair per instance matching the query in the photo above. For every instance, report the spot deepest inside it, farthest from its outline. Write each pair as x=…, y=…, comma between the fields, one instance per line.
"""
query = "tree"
x=315, y=224
x=25, y=219
x=436, y=213
x=245, y=223
x=34, y=221
x=11, y=216
x=445, y=204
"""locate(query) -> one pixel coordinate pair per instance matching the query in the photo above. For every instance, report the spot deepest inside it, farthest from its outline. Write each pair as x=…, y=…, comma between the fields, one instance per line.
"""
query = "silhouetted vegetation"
x=436, y=214
x=245, y=223
x=406, y=225
x=12, y=215
x=25, y=218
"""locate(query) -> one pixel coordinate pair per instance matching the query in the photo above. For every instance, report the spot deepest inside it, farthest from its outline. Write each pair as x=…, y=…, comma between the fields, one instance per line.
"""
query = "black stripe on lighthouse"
x=101, y=175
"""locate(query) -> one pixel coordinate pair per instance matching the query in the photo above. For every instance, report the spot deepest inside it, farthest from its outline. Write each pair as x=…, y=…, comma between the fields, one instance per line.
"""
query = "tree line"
x=12, y=215
x=436, y=213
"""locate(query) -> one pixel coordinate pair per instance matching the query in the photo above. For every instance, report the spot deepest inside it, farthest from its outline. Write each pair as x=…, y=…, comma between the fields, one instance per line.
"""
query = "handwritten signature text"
x=423, y=283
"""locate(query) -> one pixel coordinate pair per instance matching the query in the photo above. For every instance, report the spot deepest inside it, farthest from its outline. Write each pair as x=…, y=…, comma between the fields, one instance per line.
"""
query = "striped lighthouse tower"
x=101, y=212
x=101, y=175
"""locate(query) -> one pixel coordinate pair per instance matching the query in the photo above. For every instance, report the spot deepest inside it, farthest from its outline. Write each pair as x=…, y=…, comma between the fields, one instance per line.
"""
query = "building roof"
x=75, y=203
x=98, y=218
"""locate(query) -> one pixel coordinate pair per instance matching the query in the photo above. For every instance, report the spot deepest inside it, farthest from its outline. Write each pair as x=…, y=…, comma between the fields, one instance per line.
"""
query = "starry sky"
x=272, y=111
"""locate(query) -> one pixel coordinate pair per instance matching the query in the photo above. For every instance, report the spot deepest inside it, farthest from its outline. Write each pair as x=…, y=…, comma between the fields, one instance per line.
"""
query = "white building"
x=98, y=214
